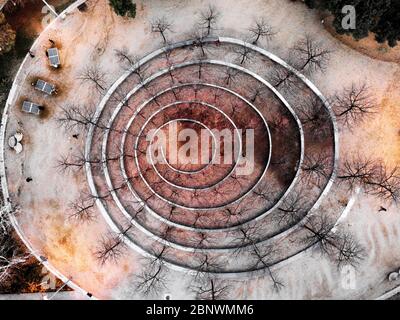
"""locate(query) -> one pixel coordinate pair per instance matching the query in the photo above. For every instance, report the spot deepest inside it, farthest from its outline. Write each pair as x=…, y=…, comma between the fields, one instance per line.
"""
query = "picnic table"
x=31, y=107
x=54, y=57
x=45, y=87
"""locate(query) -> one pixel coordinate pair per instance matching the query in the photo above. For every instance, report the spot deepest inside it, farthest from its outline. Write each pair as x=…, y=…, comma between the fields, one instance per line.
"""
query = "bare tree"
x=199, y=218
x=126, y=59
x=246, y=235
x=80, y=117
x=208, y=19
x=199, y=37
x=314, y=117
x=78, y=161
x=210, y=287
x=256, y=92
x=205, y=262
x=244, y=53
x=201, y=240
x=339, y=245
x=129, y=61
x=261, y=30
x=316, y=168
x=200, y=72
x=161, y=26
x=354, y=104
x=292, y=208
x=121, y=96
x=282, y=77
x=233, y=214
x=75, y=163
x=357, y=171
x=153, y=278
x=93, y=74
x=83, y=209
x=230, y=75
x=385, y=183
x=310, y=55
x=372, y=175
x=246, y=240
x=111, y=248
x=11, y=256
x=264, y=192
x=261, y=257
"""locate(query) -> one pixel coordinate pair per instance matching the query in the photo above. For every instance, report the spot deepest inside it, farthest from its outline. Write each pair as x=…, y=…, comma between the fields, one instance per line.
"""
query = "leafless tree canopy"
x=74, y=163
x=75, y=117
x=161, y=26
x=260, y=256
x=199, y=35
x=110, y=249
x=244, y=54
x=153, y=278
x=230, y=76
x=373, y=176
x=233, y=214
x=282, y=77
x=83, y=209
x=354, y=104
x=261, y=30
x=339, y=245
x=129, y=61
x=256, y=92
x=310, y=55
x=11, y=256
x=316, y=169
x=209, y=287
x=126, y=59
x=208, y=19
x=292, y=208
x=314, y=117
x=205, y=262
x=94, y=75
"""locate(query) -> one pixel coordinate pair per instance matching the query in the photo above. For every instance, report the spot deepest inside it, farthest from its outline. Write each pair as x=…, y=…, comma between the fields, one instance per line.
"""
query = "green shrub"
x=124, y=7
x=381, y=17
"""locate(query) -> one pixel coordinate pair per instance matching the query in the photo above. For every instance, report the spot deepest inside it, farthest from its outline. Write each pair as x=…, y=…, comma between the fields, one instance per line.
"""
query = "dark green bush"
x=381, y=17
x=125, y=8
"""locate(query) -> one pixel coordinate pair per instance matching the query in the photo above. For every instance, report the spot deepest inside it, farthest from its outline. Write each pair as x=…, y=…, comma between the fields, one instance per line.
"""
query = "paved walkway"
x=65, y=295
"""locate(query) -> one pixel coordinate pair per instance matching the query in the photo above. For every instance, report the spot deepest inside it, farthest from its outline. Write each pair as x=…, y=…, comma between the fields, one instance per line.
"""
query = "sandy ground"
x=92, y=36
